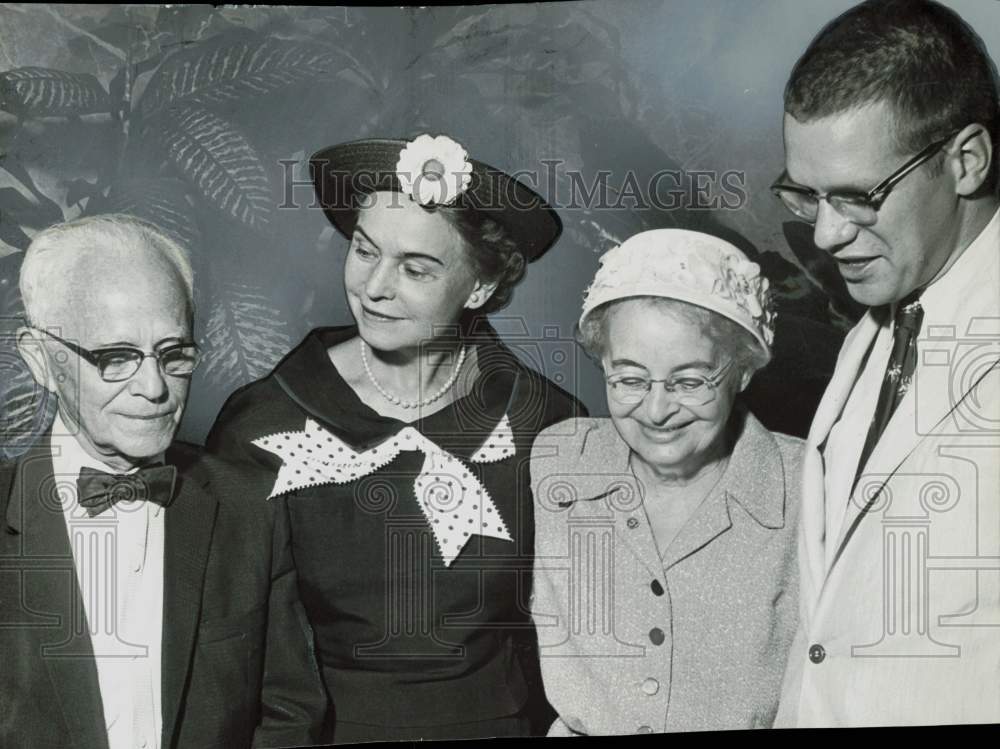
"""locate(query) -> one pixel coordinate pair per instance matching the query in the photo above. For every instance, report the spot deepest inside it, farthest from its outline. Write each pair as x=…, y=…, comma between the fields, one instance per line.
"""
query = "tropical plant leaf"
x=78, y=190
x=22, y=206
x=218, y=160
x=235, y=66
x=245, y=336
x=11, y=306
x=120, y=87
x=11, y=234
x=162, y=201
x=40, y=213
x=44, y=92
x=26, y=408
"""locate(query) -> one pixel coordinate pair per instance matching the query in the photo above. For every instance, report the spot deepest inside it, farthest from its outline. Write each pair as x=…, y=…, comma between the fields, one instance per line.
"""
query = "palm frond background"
x=202, y=119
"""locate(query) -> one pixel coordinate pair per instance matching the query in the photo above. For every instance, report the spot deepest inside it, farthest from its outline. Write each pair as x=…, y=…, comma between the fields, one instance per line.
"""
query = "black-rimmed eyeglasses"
x=119, y=363
x=858, y=207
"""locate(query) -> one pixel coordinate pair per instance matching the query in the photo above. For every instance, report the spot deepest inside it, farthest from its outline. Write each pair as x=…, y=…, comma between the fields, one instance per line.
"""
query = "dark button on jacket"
x=817, y=653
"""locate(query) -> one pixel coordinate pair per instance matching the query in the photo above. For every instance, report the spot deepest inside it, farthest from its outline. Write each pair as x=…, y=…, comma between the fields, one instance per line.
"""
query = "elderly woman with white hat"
x=399, y=446
x=665, y=574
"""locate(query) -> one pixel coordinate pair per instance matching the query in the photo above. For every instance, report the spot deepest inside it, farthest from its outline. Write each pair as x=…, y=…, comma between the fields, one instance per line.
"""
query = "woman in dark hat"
x=400, y=445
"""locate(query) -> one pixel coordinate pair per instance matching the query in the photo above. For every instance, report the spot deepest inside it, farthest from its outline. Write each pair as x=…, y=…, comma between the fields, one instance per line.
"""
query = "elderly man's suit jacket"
x=900, y=620
x=237, y=666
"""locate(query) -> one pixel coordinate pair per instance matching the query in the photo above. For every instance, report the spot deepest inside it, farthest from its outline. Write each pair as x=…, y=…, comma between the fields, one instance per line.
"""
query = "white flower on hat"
x=742, y=282
x=433, y=170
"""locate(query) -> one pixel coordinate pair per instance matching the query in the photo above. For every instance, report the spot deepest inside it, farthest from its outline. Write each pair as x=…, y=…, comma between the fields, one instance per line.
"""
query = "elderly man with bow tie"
x=142, y=602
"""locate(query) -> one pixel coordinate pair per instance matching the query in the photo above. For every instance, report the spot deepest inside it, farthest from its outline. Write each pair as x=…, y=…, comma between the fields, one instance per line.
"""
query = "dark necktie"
x=97, y=490
x=898, y=373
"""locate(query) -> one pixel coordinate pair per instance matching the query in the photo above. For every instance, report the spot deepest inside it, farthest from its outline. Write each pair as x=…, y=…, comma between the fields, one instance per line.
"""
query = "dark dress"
x=410, y=647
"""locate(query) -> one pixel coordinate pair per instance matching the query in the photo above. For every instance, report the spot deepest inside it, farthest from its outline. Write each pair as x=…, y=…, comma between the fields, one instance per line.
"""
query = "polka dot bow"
x=455, y=503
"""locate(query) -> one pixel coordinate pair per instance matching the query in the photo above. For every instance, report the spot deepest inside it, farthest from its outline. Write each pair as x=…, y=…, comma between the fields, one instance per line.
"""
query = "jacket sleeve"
x=293, y=700
x=549, y=599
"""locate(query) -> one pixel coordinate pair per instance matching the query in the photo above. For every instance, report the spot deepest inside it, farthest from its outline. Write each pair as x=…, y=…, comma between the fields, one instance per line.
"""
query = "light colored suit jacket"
x=900, y=588
x=634, y=643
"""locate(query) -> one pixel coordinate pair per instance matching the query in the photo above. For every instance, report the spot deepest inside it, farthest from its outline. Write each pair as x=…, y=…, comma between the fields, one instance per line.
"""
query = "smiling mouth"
x=153, y=417
x=667, y=430
x=378, y=315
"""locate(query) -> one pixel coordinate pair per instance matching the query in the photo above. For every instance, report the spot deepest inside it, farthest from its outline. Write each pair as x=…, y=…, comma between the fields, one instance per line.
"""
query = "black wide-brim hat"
x=343, y=174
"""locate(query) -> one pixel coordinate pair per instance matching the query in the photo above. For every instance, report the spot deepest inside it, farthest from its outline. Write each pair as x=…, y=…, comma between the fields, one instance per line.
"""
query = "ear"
x=972, y=158
x=480, y=294
x=31, y=349
x=745, y=377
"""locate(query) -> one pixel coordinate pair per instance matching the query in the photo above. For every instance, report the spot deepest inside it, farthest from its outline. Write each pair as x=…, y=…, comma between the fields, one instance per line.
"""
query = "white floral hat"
x=691, y=267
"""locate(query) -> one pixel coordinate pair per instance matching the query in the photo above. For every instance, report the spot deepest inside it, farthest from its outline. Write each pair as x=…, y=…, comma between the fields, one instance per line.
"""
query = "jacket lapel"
x=812, y=534
x=70, y=665
x=633, y=532
x=852, y=358
x=710, y=520
x=189, y=523
x=753, y=480
x=930, y=400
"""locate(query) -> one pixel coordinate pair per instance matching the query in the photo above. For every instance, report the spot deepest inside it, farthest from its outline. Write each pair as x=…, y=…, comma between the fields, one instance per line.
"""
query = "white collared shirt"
x=942, y=302
x=118, y=556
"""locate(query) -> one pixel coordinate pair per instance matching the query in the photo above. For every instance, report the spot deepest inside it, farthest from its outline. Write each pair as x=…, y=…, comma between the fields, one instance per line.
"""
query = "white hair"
x=55, y=251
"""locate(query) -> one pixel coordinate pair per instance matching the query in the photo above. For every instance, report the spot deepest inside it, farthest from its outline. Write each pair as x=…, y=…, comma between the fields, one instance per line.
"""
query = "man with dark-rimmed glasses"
x=143, y=601
x=890, y=130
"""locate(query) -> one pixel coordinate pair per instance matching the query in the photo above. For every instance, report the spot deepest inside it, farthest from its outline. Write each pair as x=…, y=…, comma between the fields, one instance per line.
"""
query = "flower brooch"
x=433, y=170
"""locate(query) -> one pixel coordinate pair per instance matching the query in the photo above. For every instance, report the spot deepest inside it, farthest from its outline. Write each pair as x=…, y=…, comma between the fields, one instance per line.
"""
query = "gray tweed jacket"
x=635, y=643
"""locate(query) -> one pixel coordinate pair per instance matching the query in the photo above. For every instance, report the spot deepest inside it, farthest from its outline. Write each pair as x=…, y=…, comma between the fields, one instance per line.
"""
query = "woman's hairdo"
x=495, y=256
x=737, y=342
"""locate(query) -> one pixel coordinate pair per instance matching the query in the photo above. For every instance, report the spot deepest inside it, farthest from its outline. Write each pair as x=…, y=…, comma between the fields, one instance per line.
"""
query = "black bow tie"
x=97, y=490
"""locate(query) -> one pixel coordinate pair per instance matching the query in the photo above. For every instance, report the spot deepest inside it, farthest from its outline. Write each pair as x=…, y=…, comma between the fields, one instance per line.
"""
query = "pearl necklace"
x=396, y=400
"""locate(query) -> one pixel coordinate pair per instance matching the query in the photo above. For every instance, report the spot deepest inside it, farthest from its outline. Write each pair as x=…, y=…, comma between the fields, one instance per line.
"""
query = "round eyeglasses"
x=860, y=208
x=690, y=389
x=119, y=363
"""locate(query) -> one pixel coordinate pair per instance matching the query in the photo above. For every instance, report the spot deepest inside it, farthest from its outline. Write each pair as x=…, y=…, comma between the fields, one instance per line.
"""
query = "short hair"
x=58, y=248
x=747, y=354
x=493, y=253
x=917, y=56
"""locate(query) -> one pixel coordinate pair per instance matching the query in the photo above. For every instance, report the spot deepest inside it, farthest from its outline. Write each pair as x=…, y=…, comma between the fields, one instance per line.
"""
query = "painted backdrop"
x=626, y=115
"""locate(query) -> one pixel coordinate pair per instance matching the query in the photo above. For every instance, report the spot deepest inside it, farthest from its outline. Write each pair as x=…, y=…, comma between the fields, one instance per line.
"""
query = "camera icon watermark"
x=26, y=406
x=959, y=368
x=547, y=349
x=582, y=521
x=940, y=573
x=71, y=590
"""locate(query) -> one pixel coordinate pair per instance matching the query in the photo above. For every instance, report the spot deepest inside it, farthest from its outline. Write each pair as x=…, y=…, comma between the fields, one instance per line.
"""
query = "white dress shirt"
x=118, y=556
